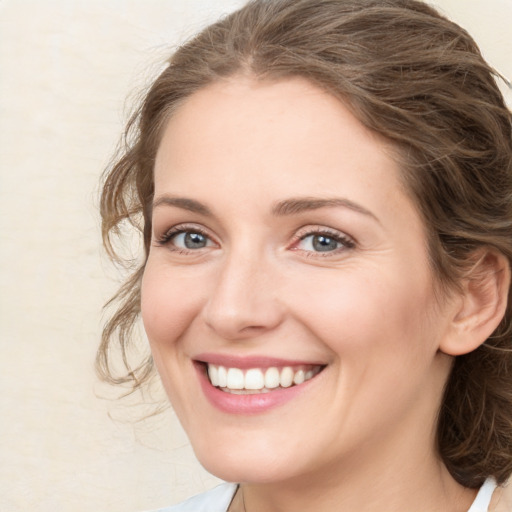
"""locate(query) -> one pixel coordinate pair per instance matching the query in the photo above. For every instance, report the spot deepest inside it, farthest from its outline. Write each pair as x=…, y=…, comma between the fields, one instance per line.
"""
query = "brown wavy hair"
x=420, y=82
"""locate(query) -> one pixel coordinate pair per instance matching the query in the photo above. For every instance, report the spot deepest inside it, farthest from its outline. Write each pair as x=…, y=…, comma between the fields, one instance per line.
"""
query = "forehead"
x=266, y=140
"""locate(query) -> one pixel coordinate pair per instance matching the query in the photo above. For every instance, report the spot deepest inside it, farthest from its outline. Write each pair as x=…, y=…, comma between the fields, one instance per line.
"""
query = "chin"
x=244, y=470
x=250, y=463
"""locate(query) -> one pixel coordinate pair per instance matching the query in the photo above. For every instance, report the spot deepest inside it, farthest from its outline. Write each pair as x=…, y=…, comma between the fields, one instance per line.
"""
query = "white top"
x=214, y=500
x=219, y=498
x=484, y=496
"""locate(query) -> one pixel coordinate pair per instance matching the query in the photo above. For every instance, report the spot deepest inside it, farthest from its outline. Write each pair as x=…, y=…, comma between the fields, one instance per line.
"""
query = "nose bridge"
x=243, y=301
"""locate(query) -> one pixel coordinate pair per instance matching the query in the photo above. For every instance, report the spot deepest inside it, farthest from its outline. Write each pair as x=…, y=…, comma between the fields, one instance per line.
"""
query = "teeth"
x=254, y=379
x=213, y=373
x=272, y=378
x=235, y=379
x=259, y=380
x=222, y=375
x=299, y=377
x=286, y=377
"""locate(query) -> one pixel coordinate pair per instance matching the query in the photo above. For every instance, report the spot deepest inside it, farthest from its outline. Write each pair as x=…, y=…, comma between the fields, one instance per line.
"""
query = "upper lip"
x=245, y=362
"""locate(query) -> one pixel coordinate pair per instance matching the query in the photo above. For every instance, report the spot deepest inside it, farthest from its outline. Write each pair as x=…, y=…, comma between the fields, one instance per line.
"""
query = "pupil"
x=324, y=243
x=195, y=241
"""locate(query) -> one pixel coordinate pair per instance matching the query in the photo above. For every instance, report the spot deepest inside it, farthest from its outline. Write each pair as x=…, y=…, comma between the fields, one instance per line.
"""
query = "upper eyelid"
x=184, y=227
x=318, y=229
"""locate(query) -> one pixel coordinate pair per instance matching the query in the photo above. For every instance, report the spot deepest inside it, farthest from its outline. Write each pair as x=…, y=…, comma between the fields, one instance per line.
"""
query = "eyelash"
x=166, y=238
x=345, y=241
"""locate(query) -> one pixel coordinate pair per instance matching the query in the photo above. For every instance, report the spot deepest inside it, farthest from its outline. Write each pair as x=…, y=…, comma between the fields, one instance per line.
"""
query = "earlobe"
x=482, y=304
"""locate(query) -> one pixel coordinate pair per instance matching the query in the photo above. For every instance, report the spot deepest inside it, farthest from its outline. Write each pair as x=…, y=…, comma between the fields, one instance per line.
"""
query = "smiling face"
x=286, y=258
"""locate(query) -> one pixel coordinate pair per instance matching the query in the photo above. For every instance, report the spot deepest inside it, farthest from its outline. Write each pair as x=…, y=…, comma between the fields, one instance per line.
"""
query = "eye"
x=319, y=243
x=322, y=241
x=190, y=240
x=181, y=238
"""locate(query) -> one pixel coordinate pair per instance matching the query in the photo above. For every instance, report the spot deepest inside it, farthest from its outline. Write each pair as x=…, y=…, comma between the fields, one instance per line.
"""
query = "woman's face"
x=286, y=258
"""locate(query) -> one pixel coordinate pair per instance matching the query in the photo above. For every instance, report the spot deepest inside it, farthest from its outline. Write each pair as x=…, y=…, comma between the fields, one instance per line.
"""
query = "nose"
x=244, y=302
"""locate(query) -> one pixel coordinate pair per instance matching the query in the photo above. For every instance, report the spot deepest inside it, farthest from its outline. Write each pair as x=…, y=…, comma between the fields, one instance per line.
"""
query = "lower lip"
x=248, y=404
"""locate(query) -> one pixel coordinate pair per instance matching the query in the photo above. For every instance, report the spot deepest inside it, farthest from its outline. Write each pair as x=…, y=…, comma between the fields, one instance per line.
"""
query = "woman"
x=325, y=194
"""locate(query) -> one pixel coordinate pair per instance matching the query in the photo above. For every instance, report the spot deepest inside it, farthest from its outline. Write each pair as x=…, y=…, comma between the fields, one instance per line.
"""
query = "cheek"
x=383, y=340
x=368, y=311
x=169, y=303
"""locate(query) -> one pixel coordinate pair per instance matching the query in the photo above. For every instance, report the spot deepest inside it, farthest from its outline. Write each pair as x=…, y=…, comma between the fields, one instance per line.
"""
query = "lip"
x=246, y=362
x=251, y=404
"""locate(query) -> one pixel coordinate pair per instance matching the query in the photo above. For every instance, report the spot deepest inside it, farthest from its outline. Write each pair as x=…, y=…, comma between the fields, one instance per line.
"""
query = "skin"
x=363, y=434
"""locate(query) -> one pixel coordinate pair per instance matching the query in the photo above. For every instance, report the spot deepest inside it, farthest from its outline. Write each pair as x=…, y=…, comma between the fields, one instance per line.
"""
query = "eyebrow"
x=300, y=204
x=286, y=207
x=183, y=202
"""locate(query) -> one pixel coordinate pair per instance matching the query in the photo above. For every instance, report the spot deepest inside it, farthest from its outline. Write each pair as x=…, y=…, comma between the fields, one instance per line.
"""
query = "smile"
x=251, y=385
x=259, y=380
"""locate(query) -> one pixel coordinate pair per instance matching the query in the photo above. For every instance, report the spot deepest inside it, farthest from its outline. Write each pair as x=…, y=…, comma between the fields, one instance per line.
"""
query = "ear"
x=481, y=304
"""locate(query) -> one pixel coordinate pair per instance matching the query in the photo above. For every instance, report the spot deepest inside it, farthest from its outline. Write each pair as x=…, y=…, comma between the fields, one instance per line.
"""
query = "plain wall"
x=67, y=68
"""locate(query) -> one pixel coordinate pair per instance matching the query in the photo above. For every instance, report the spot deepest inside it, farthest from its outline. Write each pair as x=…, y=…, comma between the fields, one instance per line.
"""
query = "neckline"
x=481, y=503
x=484, y=496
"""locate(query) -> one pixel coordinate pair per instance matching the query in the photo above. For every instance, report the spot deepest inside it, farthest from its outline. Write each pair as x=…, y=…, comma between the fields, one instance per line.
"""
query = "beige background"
x=66, y=70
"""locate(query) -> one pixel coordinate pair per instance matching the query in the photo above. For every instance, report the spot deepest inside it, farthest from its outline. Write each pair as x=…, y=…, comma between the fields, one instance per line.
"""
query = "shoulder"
x=214, y=500
x=502, y=501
